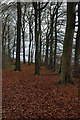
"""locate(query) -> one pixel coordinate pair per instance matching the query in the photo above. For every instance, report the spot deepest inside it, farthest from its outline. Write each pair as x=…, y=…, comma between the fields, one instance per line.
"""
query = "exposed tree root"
x=64, y=82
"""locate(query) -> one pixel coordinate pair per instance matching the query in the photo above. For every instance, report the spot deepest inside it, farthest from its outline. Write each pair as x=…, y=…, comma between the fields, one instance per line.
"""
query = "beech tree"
x=9, y=54
x=47, y=49
x=66, y=72
x=55, y=49
x=17, y=66
x=35, y=5
x=77, y=46
x=30, y=19
x=23, y=34
x=51, y=37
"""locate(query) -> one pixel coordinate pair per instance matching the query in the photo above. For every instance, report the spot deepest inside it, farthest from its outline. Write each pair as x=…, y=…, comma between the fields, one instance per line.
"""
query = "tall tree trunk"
x=18, y=67
x=43, y=54
x=55, y=49
x=29, y=56
x=9, y=43
x=14, y=43
x=51, y=40
x=23, y=35
x=32, y=50
x=47, y=45
x=3, y=46
x=77, y=46
x=66, y=73
x=37, y=38
x=51, y=46
x=37, y=45
x=40, y=35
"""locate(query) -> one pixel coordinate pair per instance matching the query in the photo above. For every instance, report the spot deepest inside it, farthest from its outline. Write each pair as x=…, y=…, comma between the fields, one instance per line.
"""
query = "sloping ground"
x=29, y=97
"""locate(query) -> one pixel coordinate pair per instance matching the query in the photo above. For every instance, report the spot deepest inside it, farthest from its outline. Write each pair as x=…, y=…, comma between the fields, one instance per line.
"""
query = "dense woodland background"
x=40, y=60
x=44, y=34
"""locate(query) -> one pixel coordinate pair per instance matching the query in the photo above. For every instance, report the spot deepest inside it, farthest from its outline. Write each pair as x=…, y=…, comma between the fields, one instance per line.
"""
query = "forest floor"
x=29, y=97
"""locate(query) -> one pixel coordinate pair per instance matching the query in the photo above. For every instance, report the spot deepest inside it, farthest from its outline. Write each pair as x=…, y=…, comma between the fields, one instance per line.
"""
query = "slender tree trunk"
x=37, y=38
x=9, y=43
x=14, y=43
x=47, y=45
x=32, y=54
x=3, y=46
x=40, y=35
x=51, y=42
x=18, y=67
x=37, y=45
x=51, y=47
x=29, y=56
x=55, y=49
x=23, y=35
x=66, y=73
x=24, y=62
x=32, y=50
x=77, y=46
x=43, y=55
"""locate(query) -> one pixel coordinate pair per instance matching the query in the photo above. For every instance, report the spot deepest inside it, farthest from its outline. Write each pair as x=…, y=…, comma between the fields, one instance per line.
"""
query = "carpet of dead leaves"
x=29, y=97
